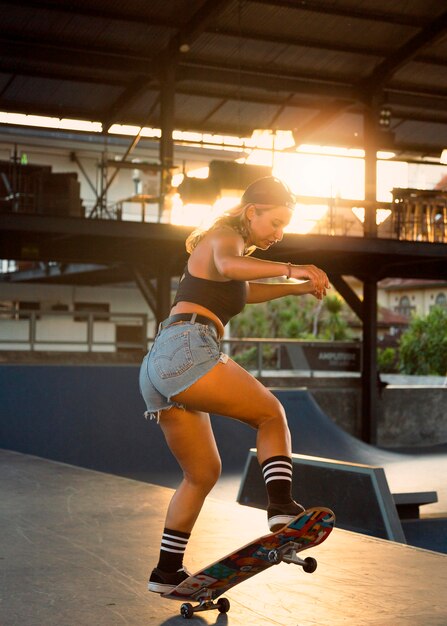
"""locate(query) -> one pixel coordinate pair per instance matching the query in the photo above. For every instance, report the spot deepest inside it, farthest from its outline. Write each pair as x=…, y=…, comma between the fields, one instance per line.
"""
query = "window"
x=441, y=300
x=91, y=307
x=25, y=306
x=129, y=338
x=404, y=307
x=6, y=309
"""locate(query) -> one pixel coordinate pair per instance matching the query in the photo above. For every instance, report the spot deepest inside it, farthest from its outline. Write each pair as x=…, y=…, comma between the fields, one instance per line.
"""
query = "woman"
x=185, y=376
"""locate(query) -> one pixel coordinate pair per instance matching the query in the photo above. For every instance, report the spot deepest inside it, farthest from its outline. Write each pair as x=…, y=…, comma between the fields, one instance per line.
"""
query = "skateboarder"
x=185, y=376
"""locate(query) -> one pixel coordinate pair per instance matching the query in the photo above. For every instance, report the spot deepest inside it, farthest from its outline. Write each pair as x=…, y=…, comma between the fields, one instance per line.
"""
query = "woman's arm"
x=230, y=262
x=227, y=249
x=264, y=292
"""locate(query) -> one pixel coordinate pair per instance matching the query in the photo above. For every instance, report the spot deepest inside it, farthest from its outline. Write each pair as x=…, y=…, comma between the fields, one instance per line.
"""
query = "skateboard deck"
x=307, y=530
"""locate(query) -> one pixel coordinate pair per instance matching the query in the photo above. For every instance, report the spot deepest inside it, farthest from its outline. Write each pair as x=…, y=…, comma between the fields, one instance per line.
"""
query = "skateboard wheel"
x=310, y=565
x=273, y=557
x=223, y=605
x=186, y=610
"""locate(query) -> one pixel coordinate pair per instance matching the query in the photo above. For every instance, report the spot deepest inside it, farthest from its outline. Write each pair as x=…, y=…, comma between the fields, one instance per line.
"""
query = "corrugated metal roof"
x=248, y=64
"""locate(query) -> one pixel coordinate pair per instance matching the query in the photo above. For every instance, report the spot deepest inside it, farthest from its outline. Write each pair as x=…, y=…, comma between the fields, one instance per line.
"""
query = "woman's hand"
x=318, y=279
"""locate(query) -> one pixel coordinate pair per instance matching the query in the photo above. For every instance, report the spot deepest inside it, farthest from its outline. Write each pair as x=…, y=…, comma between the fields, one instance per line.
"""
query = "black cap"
x=269, y=190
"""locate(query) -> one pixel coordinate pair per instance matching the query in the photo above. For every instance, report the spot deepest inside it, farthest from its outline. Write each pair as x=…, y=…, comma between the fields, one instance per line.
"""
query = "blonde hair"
x=264, y=194
x=235, y=218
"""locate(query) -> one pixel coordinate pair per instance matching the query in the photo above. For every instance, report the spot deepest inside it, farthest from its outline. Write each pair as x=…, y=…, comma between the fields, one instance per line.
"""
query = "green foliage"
x=423, y=347
x=387, y=360
x=293, y=318
x=247, y=356
x=334, y=327
x=288, y=317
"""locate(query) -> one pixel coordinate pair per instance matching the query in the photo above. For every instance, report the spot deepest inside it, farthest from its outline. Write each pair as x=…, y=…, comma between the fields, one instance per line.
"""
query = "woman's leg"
x=191, y=440
x=229, y=390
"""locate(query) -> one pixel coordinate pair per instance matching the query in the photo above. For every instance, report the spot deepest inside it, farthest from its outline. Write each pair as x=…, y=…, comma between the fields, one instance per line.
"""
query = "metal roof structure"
x=237, y=65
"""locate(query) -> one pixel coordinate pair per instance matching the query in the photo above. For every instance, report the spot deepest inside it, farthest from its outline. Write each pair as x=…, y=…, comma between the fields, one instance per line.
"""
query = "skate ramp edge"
x=358, y=494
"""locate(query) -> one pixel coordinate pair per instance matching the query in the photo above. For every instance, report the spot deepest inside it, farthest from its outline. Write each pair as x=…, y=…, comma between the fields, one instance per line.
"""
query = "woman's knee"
x=273, y=411
x=206, y=475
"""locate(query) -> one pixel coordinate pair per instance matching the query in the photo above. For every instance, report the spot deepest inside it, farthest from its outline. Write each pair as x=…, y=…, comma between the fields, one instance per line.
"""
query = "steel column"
x=167, y=118
x=370, y=142
x=369, y=365
x=163, y=296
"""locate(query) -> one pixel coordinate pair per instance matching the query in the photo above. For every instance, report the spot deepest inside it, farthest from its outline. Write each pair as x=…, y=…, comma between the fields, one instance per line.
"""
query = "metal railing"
x=95, y=331
x=32, y=329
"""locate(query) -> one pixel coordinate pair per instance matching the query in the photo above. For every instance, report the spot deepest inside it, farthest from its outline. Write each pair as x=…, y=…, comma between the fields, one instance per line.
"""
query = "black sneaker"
x=165, y=582
x=280, y=515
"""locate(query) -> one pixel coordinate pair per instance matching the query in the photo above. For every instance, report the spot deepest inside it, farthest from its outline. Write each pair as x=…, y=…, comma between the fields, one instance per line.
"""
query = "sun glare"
x=381, y=214
x=190, y=214
x=319, y=173
x=41, y=121
x=305, y=218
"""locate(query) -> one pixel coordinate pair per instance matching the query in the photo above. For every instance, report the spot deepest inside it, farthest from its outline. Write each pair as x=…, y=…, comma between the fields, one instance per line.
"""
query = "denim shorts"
x=180, y=355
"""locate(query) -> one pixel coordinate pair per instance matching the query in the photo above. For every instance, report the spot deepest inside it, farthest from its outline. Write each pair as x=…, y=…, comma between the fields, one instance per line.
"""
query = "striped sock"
x=173, y=546
x=277, y=472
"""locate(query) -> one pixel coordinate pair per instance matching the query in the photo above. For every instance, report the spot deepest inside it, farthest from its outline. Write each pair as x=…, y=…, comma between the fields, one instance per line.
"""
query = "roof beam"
x=258, y=77
x=435, y=102
x=128, y=15
x=186, y=35
x=321, y=119
x=394, y=99
x=402, y=94
x=329, y=8
x=89, y=75
x=197, y=24
x=304, y=42
x=426, y=37
x=246, y=33
x=321, y=44
x=91, y=10
x=58, y=52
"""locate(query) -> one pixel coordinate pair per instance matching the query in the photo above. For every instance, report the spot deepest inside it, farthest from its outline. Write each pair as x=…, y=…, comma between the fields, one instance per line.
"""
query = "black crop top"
x=223, y=298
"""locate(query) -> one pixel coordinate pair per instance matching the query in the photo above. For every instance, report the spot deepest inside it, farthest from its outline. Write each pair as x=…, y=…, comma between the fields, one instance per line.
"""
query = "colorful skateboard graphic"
x=307, y=530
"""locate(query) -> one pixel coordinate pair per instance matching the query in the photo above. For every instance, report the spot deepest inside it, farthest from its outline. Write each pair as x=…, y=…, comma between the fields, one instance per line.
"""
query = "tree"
x=423, y=347
x=288, y=317
x=387, y=360
x=334, y=327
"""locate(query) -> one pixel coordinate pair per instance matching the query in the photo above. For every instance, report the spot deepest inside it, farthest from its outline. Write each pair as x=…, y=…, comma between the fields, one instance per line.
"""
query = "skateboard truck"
x=206, y=603
x=206, y=586
x=288, y=554
x=285, y=554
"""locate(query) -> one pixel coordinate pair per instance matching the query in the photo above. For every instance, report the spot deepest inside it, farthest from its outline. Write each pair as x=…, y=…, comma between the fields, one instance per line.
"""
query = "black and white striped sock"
x=277, y=473
x=173, y=546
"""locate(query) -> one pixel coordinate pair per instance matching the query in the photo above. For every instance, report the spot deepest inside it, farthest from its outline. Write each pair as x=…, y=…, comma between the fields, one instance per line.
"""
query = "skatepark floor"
x=76, y=547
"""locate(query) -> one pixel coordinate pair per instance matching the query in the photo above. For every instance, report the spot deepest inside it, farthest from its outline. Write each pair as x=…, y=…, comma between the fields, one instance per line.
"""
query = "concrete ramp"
x=77, y=546
x=316, y=434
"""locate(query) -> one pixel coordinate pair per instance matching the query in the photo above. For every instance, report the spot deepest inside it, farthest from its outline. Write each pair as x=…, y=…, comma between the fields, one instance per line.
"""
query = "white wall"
x=50, y=327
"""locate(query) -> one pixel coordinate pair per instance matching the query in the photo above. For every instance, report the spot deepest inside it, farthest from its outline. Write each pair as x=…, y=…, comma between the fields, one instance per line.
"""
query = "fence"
x=79, y=331
x=96, y=331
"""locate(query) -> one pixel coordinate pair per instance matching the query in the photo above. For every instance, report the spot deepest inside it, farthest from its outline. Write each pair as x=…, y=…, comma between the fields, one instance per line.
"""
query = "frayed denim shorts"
x=180, y=355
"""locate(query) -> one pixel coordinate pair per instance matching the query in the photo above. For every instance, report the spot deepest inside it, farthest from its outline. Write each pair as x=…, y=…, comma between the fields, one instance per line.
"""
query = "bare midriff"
x=191, y=307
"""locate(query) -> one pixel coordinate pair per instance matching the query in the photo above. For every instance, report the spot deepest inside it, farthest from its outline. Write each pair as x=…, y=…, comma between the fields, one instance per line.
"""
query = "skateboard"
x=307, y=530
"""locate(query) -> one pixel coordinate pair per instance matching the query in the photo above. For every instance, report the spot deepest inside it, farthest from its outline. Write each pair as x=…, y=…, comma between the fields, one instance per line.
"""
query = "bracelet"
x=289, y=270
